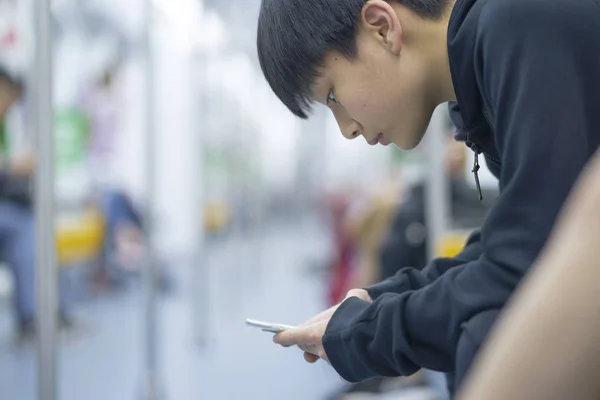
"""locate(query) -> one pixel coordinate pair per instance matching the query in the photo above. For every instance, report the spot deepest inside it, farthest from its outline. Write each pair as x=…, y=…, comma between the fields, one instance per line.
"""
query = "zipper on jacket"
x=476, y=167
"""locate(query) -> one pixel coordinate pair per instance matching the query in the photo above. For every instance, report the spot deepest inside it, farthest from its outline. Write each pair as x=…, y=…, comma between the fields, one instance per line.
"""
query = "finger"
x=309, y=349
x=322, y=355
x=298, y=336
x=317, y=351
x=310, y=358
x=321, y=316
x=274, y=336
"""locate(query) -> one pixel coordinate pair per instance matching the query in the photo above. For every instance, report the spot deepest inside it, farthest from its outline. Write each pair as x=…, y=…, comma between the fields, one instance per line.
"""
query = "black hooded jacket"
x=527, y=79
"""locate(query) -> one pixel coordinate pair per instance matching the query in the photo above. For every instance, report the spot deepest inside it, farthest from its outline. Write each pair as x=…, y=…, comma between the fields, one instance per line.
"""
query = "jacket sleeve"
x=540, y=74
x=410, y=278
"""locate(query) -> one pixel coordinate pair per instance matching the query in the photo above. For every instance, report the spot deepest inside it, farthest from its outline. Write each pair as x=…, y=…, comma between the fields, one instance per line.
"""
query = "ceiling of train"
x=94, y=18
x=240, y=17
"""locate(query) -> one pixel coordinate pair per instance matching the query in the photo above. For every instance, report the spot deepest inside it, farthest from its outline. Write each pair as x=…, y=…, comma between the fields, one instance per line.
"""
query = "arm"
x=411, y=278
x=543, y=151
x=557, y=356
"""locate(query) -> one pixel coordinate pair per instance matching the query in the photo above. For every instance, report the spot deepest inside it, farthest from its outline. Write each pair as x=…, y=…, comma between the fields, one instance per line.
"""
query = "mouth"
x=379, y=139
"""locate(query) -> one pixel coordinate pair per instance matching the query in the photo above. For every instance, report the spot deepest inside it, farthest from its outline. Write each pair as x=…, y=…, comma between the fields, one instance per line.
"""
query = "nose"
x=349, y=127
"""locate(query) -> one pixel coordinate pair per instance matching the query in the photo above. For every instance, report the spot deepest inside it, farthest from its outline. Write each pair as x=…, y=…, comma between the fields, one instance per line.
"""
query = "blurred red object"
x=9, y=39
x=337, y=205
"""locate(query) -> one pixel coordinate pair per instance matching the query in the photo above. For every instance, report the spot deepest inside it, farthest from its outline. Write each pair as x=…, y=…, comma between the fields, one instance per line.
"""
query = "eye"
x=331, y=97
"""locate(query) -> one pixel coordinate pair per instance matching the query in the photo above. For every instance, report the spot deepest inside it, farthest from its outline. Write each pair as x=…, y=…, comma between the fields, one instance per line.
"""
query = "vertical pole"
x=437, y=183
x=152, y=387
x=437, y=207
x=46, y=271
x=201, y=296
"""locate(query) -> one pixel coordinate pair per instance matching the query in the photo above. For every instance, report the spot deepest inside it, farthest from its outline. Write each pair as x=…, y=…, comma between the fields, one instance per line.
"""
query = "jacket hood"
x=462, y=37
x=468, y=114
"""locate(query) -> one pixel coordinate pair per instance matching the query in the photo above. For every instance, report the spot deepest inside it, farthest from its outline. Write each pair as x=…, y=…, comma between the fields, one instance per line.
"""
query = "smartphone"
x=267, y=326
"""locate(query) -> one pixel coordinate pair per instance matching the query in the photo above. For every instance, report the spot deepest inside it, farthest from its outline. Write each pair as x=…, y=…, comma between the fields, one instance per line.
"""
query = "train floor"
x=205, y=349
x=266, y=277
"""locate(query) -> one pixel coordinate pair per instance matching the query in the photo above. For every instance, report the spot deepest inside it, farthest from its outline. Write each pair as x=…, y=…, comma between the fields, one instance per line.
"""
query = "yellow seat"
x=451, y=244
x=216, y=216
x=79, y=237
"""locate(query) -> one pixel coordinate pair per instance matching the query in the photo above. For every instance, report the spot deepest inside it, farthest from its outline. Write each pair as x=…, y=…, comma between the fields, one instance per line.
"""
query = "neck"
x=432, y=37
x=446, y=86
x=438, y=49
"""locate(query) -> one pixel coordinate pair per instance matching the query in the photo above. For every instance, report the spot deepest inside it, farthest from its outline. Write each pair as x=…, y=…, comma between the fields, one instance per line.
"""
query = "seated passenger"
x=17, y=228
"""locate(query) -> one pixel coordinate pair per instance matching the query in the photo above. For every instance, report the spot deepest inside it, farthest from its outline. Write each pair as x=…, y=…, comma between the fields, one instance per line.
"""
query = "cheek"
x=410, y=112
x=368, y=107
x=381, y=101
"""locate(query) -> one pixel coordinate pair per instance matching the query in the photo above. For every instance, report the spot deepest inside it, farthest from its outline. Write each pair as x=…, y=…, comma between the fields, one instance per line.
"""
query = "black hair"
x=295, y=35
x=14, y=83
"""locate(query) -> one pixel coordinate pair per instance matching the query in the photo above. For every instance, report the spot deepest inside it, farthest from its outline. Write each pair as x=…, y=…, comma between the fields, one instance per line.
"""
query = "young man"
x=525, y=76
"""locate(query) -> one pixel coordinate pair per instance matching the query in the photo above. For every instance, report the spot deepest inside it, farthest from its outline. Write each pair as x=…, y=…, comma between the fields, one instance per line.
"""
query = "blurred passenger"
x=406, y=243
x=102, y=102
x=125, y=242
x=124, y=228
x=390, y=230
x=369, y=227
x=546, y=345
x=17, y=229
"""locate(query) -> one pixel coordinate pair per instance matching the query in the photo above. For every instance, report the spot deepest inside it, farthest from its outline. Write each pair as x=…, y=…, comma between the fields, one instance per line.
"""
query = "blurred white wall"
x=175, y=146
x=176, y=151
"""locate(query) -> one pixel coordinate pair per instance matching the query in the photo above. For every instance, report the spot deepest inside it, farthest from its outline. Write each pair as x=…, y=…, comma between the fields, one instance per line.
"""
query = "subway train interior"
x=155, y=194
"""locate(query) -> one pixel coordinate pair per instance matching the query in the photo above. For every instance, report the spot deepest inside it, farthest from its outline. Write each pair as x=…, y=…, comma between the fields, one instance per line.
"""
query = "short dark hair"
x=294, y=36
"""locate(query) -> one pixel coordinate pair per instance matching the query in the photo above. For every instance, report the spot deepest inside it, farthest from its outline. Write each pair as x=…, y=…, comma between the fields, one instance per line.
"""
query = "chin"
x=407, y=142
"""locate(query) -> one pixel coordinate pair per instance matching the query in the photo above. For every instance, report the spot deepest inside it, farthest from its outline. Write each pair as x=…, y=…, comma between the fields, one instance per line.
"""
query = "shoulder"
x=520, y=16
x=539, y=27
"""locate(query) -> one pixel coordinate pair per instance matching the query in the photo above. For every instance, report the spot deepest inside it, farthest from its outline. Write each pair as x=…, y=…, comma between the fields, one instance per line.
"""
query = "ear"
x=379, y=18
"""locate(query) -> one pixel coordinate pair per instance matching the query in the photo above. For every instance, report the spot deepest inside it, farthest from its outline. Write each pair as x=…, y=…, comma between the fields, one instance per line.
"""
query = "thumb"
x=293, y=337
